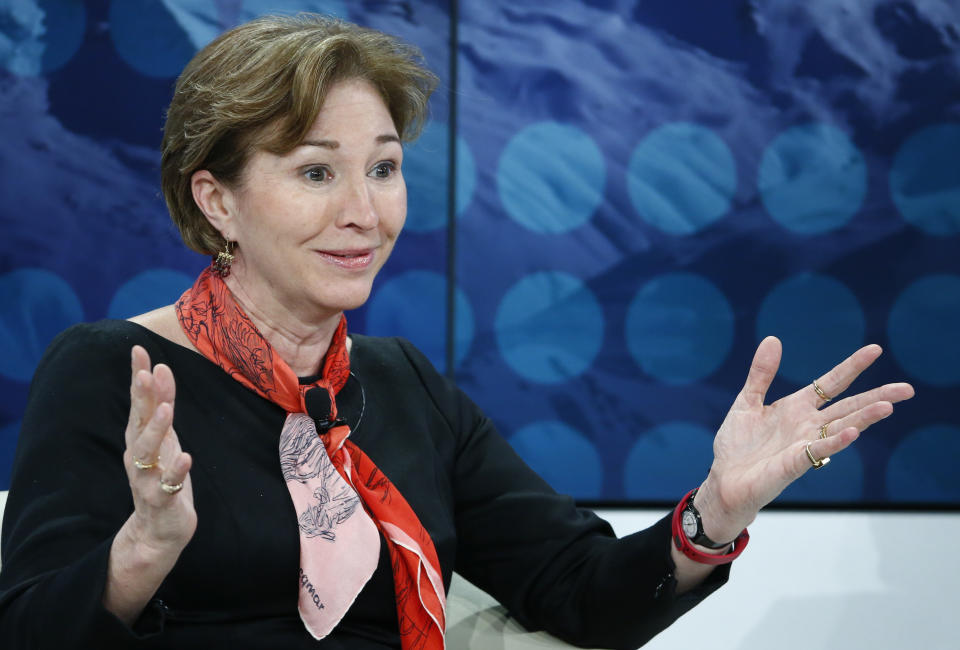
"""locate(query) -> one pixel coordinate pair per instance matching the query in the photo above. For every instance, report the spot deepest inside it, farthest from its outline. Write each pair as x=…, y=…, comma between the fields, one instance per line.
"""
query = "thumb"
x=763, y=369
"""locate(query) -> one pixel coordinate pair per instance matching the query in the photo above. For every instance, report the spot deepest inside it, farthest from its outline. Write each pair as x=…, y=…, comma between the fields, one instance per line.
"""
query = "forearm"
x=135, y=570
x=612, y=593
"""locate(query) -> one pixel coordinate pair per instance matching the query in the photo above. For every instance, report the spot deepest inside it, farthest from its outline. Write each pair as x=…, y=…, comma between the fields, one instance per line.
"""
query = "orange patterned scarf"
x=328, y=476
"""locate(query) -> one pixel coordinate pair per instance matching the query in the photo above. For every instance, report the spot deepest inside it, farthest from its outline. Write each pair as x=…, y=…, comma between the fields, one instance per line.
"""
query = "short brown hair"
x=261, y=86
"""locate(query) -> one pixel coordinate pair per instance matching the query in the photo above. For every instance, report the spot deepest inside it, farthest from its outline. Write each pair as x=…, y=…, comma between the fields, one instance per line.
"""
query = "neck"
x=301, y=342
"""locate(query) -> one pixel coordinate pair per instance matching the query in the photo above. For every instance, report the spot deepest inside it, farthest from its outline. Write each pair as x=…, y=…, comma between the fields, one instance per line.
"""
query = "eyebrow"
x=333, y=144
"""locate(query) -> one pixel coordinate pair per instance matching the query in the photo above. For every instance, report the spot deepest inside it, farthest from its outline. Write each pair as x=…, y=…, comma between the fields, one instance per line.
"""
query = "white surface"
x=812, y=580
x=475, y=621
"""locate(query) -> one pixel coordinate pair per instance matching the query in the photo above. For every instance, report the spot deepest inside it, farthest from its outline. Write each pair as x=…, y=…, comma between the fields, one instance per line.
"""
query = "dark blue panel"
x=644, y=189
x=708, y=173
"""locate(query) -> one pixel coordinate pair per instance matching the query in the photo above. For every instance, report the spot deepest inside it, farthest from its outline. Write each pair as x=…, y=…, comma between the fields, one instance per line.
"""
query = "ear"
x=215, y=200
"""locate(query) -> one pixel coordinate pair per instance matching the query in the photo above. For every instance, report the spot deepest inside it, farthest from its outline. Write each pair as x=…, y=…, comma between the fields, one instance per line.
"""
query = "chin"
x=348, y=300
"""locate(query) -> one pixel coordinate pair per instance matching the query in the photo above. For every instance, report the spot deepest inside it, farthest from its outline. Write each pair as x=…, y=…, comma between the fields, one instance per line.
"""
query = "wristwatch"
x=693, y=527
x=684, y=535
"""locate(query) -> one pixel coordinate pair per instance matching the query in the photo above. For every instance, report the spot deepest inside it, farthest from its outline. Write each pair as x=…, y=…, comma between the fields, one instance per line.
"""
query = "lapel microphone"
x=317, y=401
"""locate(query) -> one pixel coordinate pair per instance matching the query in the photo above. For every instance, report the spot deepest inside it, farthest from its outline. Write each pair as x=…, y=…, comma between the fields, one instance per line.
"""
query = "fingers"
x=892, y=393
x=821, y=449
x=860, y=419
x=165, y=388
x=164, y=466
x=842, y=375
x=146, y=447
x=763, y=369
x=141, y=382
x=176, y=473
x=148, y=389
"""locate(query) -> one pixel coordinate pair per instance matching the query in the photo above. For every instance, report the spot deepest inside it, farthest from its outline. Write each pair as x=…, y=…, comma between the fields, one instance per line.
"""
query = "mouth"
x=348, y=259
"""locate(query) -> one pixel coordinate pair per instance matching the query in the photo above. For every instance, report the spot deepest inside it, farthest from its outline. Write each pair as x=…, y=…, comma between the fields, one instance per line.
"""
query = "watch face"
x=689, y=523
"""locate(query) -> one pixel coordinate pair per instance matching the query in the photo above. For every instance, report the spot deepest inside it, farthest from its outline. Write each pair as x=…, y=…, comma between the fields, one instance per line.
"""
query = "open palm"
x=761, y=448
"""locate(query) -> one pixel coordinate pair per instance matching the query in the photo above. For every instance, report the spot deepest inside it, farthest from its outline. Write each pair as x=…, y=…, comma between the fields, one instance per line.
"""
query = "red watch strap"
x=684, y=545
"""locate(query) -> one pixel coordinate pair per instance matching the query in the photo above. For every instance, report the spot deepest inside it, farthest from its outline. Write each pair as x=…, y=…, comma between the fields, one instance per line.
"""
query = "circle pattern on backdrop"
x=667, y=461
x=819, y=321
x=65, y=24
x=812, y=178
x=157, y=39
x=549, y=327
x=425, y=171
x=148, y=290
x=551, y=177
x=923, y=329
x=923, y=466
x=38, y=305
x=925, y=179
x=414, y=305
x=841, y=482
x=564, y=457
x=679, y=328
x=681, y=178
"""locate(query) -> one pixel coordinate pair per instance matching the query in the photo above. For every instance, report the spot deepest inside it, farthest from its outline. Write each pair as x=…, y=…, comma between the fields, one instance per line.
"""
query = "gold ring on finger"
x=816, y=462
x=823, y=431
x=820, y=392
x=170, y=489
x=139, y=464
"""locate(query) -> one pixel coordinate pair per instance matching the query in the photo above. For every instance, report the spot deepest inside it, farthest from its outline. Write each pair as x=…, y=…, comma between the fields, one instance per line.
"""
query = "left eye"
x=383, y=170
x=318, y=174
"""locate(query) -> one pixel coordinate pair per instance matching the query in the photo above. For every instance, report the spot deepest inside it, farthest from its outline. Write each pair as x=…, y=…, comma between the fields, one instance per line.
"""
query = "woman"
x=286, y=485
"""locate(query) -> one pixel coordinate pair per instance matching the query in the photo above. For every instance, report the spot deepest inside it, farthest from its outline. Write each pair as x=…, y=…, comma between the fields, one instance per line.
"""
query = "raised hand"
x=147, y=546
x=158, y=469
x=761, y=448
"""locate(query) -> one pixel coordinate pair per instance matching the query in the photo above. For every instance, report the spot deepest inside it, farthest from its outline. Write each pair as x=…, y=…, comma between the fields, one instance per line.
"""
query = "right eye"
x=318, y=174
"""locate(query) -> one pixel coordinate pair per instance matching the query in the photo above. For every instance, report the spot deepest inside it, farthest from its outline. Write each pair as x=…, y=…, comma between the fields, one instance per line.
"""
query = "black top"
x=491, y=518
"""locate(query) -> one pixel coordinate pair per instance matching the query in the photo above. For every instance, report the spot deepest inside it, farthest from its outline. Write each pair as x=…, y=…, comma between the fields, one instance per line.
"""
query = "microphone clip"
x=324, y=426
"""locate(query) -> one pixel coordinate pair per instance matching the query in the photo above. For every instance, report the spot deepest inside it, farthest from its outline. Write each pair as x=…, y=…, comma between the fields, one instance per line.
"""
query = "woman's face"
x=315, y=225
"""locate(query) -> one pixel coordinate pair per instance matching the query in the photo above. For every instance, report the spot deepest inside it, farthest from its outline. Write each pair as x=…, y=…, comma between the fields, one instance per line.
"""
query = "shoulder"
x=106, y=342
x=389, y=351
x=88, y=356
x=94, y=340
x=79, y=396
x=398, y=359
x=164, y=322
x=396, y=365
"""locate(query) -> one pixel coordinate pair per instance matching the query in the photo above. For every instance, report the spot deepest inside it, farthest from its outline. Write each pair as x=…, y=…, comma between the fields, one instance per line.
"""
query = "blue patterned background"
x=644, y=190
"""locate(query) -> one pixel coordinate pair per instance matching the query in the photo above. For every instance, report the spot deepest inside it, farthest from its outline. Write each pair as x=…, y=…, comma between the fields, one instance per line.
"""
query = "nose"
x=358, y=209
